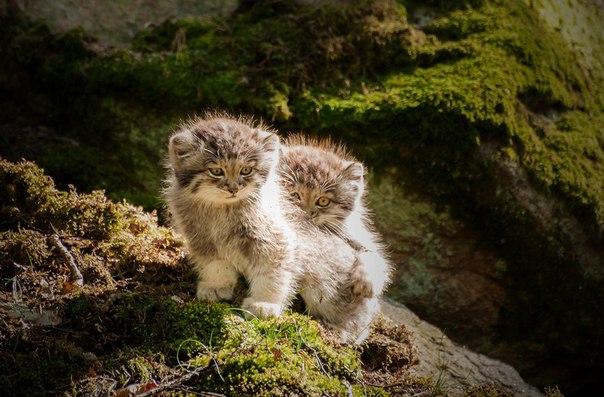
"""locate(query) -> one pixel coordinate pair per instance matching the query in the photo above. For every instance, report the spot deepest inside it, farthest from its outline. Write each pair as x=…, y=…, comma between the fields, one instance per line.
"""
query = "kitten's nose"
x=233, y=189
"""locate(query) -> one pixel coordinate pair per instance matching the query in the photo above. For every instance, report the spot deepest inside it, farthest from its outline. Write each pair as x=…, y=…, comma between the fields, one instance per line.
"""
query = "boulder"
x=455, y=366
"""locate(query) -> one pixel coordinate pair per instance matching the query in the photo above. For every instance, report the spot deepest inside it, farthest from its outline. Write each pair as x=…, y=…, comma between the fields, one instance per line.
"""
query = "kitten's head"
x=222, y=160
x=322, y=179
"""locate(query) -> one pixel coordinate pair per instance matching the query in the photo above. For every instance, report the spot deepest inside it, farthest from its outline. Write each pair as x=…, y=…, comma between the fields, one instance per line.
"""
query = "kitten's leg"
x=216, y=280
x=360, y=284
x=356, y=324
x=270, y=293
x=365, y=315
x=370, y=274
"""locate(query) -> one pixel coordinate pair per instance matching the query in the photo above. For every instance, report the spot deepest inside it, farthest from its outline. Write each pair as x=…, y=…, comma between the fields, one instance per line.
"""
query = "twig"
x=76, y=276
x=178, y=381
x=348, y=388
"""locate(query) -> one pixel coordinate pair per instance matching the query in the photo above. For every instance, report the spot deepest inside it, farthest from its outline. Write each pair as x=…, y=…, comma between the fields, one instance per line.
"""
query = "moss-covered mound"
x=132, y=324
x=492, y=108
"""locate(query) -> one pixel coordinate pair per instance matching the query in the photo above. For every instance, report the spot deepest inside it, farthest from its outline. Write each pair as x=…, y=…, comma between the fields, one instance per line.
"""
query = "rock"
x=458, y=367
x=114, y=22
x=442, y=271
x=40, y=317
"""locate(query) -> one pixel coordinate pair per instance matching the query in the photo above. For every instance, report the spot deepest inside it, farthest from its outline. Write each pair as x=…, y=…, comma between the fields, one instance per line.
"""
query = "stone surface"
x=115, y=22
x=442, y=270
x=455, y=365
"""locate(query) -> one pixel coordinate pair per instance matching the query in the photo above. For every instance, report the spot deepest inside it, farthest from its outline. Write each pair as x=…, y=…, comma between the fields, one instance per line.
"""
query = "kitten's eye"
x=215, y=171
x=246, y=170
x=323, y=201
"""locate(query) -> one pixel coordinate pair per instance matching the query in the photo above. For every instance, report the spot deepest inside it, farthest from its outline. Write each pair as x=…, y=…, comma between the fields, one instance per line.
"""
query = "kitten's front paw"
x=261, y=309
x=360, y=284
x=208, y=294
x=346, y=336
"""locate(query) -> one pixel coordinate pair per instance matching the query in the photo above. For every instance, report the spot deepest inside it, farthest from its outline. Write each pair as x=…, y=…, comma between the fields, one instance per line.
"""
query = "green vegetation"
x=260, y=358
x=287, y=356
x=32, y=206
x=441, y=114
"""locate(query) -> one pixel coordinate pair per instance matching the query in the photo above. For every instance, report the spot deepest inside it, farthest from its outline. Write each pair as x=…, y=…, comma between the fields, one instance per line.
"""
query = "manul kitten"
x=225, y=200
x=328, y=185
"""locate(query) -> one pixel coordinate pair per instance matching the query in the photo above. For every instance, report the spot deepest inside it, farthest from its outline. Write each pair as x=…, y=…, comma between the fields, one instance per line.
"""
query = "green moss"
x=172, y=325
x=304, y=67
x=284, y=356
x=30, y=198
x=98, y=228
x=149, y=323
x=177, y=68
x=26, y=247
x=139, y=329
x=439, y=105
x=571, y=160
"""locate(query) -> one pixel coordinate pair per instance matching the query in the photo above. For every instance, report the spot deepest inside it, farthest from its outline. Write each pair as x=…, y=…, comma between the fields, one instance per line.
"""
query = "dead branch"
x=76, y=276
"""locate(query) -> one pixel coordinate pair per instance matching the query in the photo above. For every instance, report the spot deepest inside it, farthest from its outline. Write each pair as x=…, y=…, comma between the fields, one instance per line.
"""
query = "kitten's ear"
x=182, y=145
x=270, y=141
x=354, y=171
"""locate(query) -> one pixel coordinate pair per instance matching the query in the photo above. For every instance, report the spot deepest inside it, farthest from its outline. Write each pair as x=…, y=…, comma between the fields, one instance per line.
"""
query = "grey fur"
x=232, y=224
x=313, y=169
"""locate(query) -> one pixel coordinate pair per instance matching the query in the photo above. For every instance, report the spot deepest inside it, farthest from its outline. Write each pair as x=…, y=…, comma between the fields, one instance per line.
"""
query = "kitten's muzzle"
x=233, y=188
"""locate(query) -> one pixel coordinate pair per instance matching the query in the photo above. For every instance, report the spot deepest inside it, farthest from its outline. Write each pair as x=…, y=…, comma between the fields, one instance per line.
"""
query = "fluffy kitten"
x=224, y=198
x=327, y=183
x=326, y=284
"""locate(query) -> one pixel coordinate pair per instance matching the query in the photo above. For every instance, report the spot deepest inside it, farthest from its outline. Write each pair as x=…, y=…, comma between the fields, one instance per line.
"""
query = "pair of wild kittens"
x=288, y=217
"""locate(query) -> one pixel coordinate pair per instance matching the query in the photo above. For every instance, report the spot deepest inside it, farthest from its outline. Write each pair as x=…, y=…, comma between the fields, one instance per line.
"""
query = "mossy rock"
x=134, y=329
x=134, y=318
